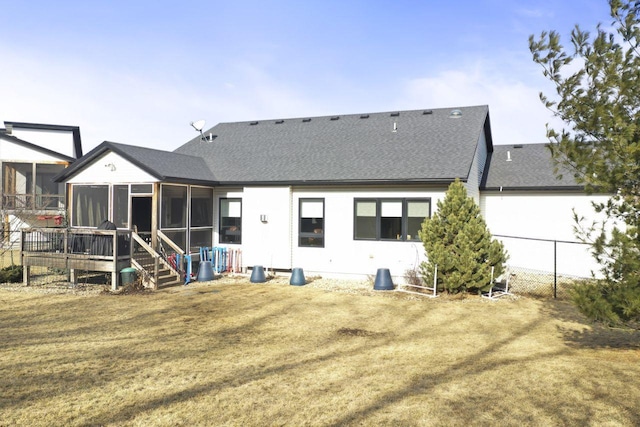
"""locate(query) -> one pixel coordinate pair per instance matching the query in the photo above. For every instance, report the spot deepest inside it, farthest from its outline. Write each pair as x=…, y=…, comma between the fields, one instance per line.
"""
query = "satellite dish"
x=198, y=125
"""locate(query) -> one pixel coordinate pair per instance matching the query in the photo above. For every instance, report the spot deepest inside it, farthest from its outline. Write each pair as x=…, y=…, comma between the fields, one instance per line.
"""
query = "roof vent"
x=253, y=123
x=306, y=120
x=396, y=114
x=335, y=117
x=517, y=146
x=455, y=114
x=425, y=112
x=210, y=137
x=279, y=122
x=364, y=116
x=508, y=156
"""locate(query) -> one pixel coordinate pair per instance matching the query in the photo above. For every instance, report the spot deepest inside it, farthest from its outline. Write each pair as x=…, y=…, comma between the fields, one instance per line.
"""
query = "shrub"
x=610, y=303
x=11, y=274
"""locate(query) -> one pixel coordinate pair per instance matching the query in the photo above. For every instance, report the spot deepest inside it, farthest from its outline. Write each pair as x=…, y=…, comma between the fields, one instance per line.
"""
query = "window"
x=121, y=206
x=311, y=227
x=365, y=223
x=390, y=219
x=49, y=194
x=174, y=206
x=230, y=221
x=141, y=188
x=417, y=211
x=90, y=205
x=201, y=218
x=201, y=207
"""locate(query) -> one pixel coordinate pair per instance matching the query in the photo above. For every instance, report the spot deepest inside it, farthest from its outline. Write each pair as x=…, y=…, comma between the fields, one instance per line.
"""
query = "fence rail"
x=547, y=267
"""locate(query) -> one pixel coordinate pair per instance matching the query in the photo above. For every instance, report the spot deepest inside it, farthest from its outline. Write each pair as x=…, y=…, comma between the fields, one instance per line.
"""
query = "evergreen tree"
x=457, y=240
x=598, y=99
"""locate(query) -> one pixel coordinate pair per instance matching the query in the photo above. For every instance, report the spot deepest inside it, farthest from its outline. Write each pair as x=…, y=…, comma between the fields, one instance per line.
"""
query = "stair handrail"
x=182, y=262
x=163, y=237
x=156, y=258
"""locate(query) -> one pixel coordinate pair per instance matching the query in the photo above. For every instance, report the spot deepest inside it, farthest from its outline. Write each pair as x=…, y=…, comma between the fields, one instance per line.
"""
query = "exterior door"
x=141, y=208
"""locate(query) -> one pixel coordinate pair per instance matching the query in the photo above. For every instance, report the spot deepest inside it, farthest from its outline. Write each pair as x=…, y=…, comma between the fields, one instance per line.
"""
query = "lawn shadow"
x=584, y=333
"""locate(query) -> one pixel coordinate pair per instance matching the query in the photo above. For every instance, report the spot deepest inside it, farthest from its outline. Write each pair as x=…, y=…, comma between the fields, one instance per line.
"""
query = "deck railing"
x=45, y=202
x=87, y=249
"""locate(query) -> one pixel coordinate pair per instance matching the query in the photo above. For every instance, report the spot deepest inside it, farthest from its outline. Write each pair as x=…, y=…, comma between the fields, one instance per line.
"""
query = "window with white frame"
x=390, y=219
x=311, y=225
x=230, y=221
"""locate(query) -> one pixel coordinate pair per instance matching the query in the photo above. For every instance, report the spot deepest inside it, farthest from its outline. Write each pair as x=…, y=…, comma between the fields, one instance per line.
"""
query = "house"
x=338, y=196
x=532, y=211
x=31, y=155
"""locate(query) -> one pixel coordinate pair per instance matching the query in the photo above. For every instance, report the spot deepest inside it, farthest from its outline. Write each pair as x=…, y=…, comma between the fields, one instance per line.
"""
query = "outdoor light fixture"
x=111, y=167
x=199, y=125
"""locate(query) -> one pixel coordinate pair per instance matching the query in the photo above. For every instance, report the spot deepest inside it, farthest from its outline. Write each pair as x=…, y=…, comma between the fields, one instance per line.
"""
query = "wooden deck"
x=76, y=249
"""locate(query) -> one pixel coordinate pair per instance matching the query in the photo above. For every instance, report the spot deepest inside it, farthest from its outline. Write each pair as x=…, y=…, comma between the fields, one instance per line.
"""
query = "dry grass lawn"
x=233, y=353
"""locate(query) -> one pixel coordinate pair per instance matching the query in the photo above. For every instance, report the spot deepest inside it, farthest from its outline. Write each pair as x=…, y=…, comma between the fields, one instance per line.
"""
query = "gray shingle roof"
x=427, y=146
x=164, y=165
x=524, y=167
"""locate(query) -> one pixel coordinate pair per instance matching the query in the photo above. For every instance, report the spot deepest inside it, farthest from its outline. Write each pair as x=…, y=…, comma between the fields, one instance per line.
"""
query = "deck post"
x=114, y=254
x=26, y=275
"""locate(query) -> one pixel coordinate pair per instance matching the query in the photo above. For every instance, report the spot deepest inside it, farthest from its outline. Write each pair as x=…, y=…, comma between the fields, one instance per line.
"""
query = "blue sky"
x=138, y=72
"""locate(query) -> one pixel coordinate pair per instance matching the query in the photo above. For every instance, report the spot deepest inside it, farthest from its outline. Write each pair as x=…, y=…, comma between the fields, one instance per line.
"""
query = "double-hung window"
x=390, y=219
x=311, y=226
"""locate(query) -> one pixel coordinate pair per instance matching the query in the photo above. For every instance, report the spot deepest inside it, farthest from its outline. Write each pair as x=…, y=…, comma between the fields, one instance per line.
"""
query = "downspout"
x=291, y=242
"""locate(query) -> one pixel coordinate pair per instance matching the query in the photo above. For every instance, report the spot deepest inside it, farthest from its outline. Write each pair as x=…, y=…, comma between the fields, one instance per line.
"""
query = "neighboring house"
x=336, y=195
x=31, y=155
x=522, y=197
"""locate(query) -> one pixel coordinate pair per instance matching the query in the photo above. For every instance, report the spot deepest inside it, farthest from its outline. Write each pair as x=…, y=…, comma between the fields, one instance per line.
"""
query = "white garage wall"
x=538, y=215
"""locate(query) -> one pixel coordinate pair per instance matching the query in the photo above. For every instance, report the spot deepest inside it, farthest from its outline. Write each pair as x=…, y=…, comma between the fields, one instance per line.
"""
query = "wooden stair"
x=144, y=259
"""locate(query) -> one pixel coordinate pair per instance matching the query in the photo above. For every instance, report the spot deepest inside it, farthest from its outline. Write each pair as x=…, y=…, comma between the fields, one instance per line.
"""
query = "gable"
x=13, y=149
x=113, y=168
x=64, y=140
x=159, y=164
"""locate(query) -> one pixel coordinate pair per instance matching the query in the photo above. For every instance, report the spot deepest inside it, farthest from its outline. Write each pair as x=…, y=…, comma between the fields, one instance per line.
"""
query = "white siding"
x=343, y=256
x=100, y=171
x=539, y=215
x=266, y=243
x=58, y=141
x=10, y=152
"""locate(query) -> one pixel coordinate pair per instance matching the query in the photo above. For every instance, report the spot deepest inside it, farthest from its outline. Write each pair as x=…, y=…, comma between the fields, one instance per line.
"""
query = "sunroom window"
x=90, y=205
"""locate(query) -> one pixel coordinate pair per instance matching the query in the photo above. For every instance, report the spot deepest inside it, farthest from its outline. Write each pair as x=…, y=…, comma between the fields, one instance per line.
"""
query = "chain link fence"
x=541, y=284
x=545, y=268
